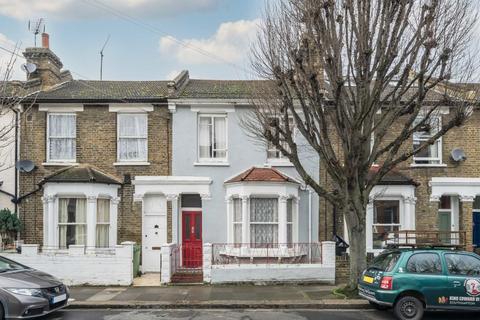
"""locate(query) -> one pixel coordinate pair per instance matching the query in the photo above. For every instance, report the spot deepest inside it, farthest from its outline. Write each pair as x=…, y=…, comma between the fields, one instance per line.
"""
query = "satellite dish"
x=29, y=67
x=458, y=155
x=25, y=165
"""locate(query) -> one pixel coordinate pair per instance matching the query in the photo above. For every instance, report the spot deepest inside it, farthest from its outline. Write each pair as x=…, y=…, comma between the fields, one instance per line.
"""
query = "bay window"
x=432, y=154
x=61, y=137
x=132, y=137
x=263, y=221
x=212, y=138
x=72, y=222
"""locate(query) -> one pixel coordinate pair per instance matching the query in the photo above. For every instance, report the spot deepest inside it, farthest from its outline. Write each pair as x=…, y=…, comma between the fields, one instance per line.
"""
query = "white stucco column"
x=48, y=222
x=409, y=217
x=174, y=200
x=113, y=221
x=282, y=220
x=230, y=213
x=91, y=223
x=245, y=228
x=369, y=225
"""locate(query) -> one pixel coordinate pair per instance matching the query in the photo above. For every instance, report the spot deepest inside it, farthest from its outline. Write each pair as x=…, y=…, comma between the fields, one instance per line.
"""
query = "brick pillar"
x=466, y=220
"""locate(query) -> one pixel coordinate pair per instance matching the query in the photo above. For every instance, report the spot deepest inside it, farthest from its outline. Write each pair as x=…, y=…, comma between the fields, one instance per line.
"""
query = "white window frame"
x=235, y=223
x=48, y=137
x=212, y=116
x=431, y=161
x=108, y=223
x=59, y=224
x=250, y=223
x=398, y=225
x=132, y=137
x=280, y=158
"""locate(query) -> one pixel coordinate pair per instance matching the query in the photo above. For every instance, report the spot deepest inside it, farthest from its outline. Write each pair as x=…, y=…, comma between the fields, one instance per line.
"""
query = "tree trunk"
x=358, y=247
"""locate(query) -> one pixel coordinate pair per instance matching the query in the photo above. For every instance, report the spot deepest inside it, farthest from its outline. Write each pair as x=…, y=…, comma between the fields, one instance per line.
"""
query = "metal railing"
x=426, y=238
x=269, y=253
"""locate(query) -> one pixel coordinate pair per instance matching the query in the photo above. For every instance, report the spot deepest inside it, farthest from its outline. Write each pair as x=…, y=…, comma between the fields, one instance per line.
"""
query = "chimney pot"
x=45, y=40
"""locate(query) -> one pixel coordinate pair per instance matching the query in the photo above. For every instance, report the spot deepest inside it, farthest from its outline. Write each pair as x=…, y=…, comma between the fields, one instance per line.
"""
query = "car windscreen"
x=385, y=261
x=10, y=265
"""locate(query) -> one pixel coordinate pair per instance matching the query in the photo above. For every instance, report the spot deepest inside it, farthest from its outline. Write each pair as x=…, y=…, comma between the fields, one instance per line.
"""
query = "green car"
x=414, y=280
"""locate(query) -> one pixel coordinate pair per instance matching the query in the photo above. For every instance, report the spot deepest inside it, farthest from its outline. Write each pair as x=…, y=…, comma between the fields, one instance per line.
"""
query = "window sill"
x=131, y=163
x=273, y=163
x=428, y=165
x=211, y=164
x=59, y=164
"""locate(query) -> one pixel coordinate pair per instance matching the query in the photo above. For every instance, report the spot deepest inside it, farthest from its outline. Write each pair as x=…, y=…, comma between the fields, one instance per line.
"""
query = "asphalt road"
x=94, y=314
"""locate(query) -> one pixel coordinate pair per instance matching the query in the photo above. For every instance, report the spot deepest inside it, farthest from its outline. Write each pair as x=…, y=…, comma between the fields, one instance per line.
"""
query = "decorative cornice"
x=115, y=200
x=171, y=197
x=467, y=198
x=434, y=198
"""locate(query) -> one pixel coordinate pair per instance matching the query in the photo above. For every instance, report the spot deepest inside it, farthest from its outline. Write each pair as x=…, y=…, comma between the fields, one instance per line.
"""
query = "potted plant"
x=10, y=225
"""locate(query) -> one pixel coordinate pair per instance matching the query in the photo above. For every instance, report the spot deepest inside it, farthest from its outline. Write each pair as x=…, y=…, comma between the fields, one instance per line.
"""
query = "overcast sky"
x=150, y=39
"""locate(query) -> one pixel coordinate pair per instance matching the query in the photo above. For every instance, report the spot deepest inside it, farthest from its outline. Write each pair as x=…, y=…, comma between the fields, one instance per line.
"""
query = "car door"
x=463, y=279
x=424, y=272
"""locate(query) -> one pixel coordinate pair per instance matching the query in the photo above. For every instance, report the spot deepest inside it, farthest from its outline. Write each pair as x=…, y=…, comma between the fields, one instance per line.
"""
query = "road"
x=99, y=314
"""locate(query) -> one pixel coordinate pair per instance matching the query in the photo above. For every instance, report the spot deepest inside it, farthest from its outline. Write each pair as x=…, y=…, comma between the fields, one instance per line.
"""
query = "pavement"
x=212, y=297
x=237, y=314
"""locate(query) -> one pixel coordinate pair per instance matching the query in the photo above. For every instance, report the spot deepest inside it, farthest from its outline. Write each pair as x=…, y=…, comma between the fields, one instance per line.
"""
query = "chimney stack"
x=45, y=40
x=49, y=67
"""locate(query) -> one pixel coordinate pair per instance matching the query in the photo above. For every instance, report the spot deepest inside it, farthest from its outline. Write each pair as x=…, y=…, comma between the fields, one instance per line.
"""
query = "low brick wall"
x=342, y=268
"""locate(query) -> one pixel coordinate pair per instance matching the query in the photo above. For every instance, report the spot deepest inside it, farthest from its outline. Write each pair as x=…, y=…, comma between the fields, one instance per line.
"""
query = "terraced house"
x=169, y=166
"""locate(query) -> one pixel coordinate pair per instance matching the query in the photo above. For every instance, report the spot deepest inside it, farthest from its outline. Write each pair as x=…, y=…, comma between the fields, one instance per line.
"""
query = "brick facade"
x=96, y=145
x=467, y=138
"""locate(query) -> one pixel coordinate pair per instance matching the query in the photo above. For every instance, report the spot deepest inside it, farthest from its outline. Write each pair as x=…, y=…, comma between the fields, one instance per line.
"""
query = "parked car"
x=28, y=293
x=414, y=280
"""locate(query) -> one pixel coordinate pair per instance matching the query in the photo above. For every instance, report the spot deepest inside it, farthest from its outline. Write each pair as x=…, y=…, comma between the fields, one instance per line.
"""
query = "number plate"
x=367, y=279
x=59, y=298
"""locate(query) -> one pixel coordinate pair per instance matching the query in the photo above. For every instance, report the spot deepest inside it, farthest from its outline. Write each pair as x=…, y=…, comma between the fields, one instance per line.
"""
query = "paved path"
x=98, y=314
x=205, y=296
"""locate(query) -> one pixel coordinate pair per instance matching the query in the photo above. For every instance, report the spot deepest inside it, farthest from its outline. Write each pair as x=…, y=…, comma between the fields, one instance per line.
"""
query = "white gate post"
x=207, y=262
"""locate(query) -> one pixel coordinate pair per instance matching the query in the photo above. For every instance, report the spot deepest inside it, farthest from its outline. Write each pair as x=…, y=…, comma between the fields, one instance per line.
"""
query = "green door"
x=445, y=224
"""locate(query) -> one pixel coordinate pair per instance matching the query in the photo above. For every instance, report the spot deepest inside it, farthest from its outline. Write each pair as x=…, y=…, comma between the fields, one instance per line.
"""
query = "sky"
x=149, y=39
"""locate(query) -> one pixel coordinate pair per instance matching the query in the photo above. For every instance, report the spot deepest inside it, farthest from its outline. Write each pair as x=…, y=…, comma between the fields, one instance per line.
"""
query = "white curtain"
x=81, y=220
x=62, y=136
x=205, y=137
x=132, y=137
x=72, y=219
x=220, y=137
x=263, y=221
x=103, y=223
x=62, y=218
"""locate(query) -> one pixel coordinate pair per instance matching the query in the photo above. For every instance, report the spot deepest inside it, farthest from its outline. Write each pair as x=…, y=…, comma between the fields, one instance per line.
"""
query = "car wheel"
x=408, y=308
x=378, y=306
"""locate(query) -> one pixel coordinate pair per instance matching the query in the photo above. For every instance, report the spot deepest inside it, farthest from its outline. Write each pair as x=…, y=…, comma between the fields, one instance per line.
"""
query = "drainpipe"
x=16, y=160
x=309, y=215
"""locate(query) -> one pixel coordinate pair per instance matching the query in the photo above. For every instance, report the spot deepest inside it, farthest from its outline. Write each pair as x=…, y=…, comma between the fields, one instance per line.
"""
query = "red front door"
x=192, y=239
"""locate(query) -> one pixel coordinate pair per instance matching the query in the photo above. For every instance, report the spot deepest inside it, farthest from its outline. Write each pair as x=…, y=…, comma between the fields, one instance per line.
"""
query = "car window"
x=424, y=263
x=385, y=262
x=9, y=265
x=462, y=264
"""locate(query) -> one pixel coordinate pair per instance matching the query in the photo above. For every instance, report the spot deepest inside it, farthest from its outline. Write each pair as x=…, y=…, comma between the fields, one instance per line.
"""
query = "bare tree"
x=347, y=71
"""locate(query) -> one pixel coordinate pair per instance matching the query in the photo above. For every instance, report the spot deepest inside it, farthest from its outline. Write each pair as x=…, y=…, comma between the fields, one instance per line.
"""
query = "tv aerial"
x=35, y=27
x=25, y=166
x=101, y=57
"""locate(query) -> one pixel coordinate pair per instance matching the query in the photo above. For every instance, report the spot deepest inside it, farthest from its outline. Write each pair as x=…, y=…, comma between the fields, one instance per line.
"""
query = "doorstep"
x=147, y=280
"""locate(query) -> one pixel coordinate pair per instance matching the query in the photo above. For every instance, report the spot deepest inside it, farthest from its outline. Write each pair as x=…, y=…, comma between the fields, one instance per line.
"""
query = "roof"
x=255, y=174
x=394, y=177
x=219, y=89
x=82, y=173
x=106, y=91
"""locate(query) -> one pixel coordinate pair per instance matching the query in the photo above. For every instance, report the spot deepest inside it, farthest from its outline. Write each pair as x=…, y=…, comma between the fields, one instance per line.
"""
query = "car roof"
x=424, y=250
